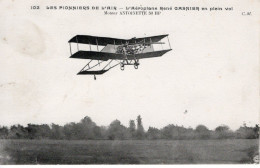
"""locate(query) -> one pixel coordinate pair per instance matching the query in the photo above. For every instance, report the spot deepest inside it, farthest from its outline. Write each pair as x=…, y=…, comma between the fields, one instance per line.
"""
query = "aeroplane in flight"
x=119, y=51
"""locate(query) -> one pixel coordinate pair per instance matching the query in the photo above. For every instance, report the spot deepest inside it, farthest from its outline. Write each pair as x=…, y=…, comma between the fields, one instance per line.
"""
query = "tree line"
x=86, y=129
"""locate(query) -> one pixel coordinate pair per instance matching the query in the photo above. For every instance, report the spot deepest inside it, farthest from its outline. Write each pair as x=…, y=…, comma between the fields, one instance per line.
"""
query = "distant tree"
x=117, y=131
x=17, y=132
x=223, y=132
x=103, y=132
x=88, y=129
x=96, y=133
x=153, y=133
x=245, y=132
x=190, y=133
x=32, y=131
x=71, y=131
x=169, y=132
x=256, y=131
x=3, y=132
x=202, y=132
x=176, y=132
x=57, y=132
x=38, y=131
x=140, y=129
x=132, y=128
x=222, y=128
x=85, y=129
x=44, y=131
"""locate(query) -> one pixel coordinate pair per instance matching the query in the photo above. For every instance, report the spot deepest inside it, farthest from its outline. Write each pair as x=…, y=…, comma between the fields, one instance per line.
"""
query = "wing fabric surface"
x=86, y=39
x=148, y=54
x=93, y=40
x=94, y=55
x=100, y=72
x=147, y=39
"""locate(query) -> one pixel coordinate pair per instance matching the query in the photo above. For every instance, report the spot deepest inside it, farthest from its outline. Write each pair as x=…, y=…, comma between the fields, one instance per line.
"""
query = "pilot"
x=125, y=47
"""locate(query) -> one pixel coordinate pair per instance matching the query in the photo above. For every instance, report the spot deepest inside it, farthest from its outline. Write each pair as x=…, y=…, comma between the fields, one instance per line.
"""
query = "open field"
x=127, y=151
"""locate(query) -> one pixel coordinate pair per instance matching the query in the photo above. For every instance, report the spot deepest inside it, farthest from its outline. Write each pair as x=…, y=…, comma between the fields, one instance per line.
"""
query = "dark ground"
x=127, y=151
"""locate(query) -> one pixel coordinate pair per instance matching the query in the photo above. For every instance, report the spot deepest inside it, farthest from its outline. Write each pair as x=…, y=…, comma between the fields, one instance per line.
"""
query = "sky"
x=212, y=70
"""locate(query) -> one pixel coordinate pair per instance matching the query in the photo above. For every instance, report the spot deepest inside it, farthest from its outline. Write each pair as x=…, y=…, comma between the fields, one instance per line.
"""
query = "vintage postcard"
x=129, y=82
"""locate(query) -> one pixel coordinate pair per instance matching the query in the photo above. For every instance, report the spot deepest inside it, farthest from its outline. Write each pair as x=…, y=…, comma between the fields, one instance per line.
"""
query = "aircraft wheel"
x=136, y=66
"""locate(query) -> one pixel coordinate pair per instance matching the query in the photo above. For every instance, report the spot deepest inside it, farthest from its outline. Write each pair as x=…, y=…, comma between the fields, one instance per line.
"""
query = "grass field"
x=127, y=152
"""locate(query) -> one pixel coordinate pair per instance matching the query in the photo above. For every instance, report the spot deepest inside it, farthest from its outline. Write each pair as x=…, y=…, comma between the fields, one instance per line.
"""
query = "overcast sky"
x=212, y=71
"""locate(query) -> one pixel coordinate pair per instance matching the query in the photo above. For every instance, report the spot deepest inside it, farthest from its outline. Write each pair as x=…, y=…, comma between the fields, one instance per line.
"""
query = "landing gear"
x=126, y=62
x=95, y=77
x=122, y=66
x=136, y=64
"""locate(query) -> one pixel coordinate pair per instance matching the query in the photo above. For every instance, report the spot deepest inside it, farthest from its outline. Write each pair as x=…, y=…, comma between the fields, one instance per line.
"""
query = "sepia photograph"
x=125, y=82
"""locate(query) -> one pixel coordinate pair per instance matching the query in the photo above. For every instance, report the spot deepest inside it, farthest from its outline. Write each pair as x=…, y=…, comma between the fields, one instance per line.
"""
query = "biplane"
x=114, y=51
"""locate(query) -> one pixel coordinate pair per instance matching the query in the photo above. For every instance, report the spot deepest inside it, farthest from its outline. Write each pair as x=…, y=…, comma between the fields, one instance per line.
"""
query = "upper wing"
x=86, y=39
x=147, y=39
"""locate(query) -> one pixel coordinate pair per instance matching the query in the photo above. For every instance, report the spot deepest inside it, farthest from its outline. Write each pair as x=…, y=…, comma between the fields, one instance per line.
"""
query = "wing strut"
x=70, y=50
x=107, y=64
x=151, y=43
x=77, y=42
x=86, y=65
x=97, y=44
x=169, y=42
